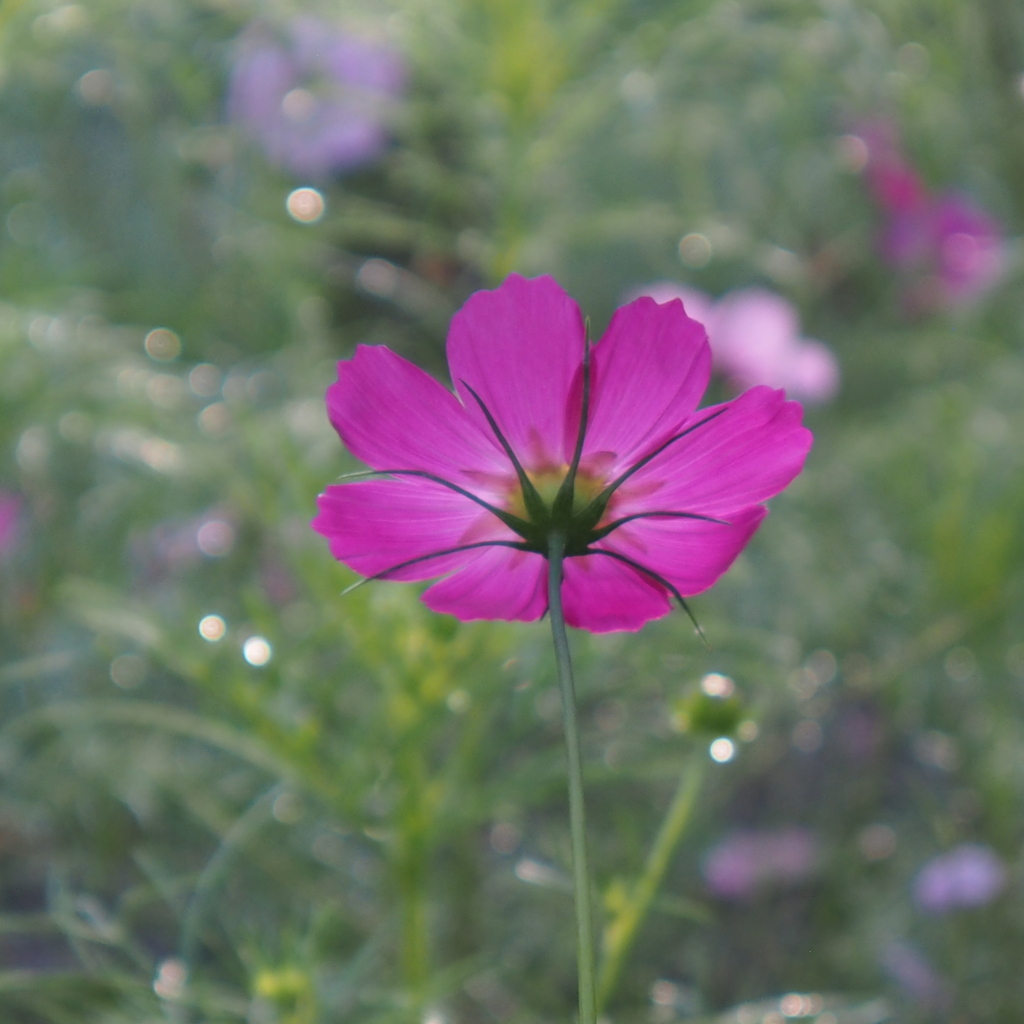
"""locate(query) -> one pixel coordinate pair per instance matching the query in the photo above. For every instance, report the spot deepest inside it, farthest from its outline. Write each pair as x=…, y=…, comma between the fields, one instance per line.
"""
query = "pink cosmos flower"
x=950, y=250
x=911, y=970
x=316, y=96
x=10, y=512
x=755, y=339
x=969, y=875
x=746, y=861
x=655, y=498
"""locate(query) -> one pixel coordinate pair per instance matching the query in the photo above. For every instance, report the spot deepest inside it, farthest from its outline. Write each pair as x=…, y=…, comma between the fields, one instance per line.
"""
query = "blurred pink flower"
x=747, y=861
x=755, y=339
x=910, y=969
x=665, y=496
x=969, y=875
x=950, y=249
x=10, y=513
x=314, y=96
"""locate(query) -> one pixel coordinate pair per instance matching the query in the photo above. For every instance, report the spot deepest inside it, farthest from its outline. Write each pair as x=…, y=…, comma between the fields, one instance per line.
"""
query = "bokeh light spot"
x=204, y=380
x=165, y=390
x=378, y=277
x=458, y=701
x=214, y=419
x=298, y=105
x=257, y=651
x=96, y=87
x=695, y=250
x=128, y=671
x=162, y=345
x=505, y=837
x=288, y=809
x=823, y=666
x=215, y=538
x=305, y=205
x=852, y=153
x=212, y=628
x=714, y=684
x=748, y=730
x=722, y=750
x=170, y=979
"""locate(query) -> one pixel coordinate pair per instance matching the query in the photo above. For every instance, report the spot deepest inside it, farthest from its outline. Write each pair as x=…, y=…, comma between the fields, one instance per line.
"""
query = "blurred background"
x=230, y=794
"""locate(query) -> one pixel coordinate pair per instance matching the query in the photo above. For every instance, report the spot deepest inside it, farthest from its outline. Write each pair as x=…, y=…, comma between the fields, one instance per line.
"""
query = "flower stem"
x=411, y=878
x=621, y=932
x=577, y=817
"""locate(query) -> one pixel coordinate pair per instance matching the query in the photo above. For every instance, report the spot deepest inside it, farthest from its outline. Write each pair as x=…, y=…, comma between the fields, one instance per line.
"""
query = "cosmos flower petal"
x=499, y=583
x=603, y=595
x=375, y=525
x=518, y=347
x=393, y=415
x=649, y=371
x=699, y=305
x=750, y=450
x=690, y=553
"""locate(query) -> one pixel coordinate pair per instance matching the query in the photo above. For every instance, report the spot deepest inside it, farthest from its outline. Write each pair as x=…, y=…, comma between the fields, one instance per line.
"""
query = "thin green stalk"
x=621, y=932
x=411, y=876
x=414, y=930
x=577, y=818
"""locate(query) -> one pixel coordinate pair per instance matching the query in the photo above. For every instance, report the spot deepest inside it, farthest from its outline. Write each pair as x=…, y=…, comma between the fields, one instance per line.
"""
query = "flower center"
x=548, y=483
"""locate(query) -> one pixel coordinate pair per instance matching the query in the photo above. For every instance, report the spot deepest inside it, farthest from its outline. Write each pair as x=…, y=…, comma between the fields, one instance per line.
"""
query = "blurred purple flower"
x=755, y=339
x=315, y=97
x=909, y=968
x=745, y=861
x=951, y=250
x=10, y=512
x=176, y=545
x=969, y=875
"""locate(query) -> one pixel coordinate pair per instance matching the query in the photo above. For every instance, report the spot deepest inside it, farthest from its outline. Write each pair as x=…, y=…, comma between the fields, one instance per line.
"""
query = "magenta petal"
x=393, y=415
x=649, y=372
x=519, y=347
x=375, y=525
x=690, y=553
x=747, y=453
x=699, y=305
x=499, y=583
x=604, y=595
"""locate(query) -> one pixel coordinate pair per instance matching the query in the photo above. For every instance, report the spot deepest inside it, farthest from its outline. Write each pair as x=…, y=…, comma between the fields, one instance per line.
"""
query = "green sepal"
x=590, y=516
x=535, y=507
